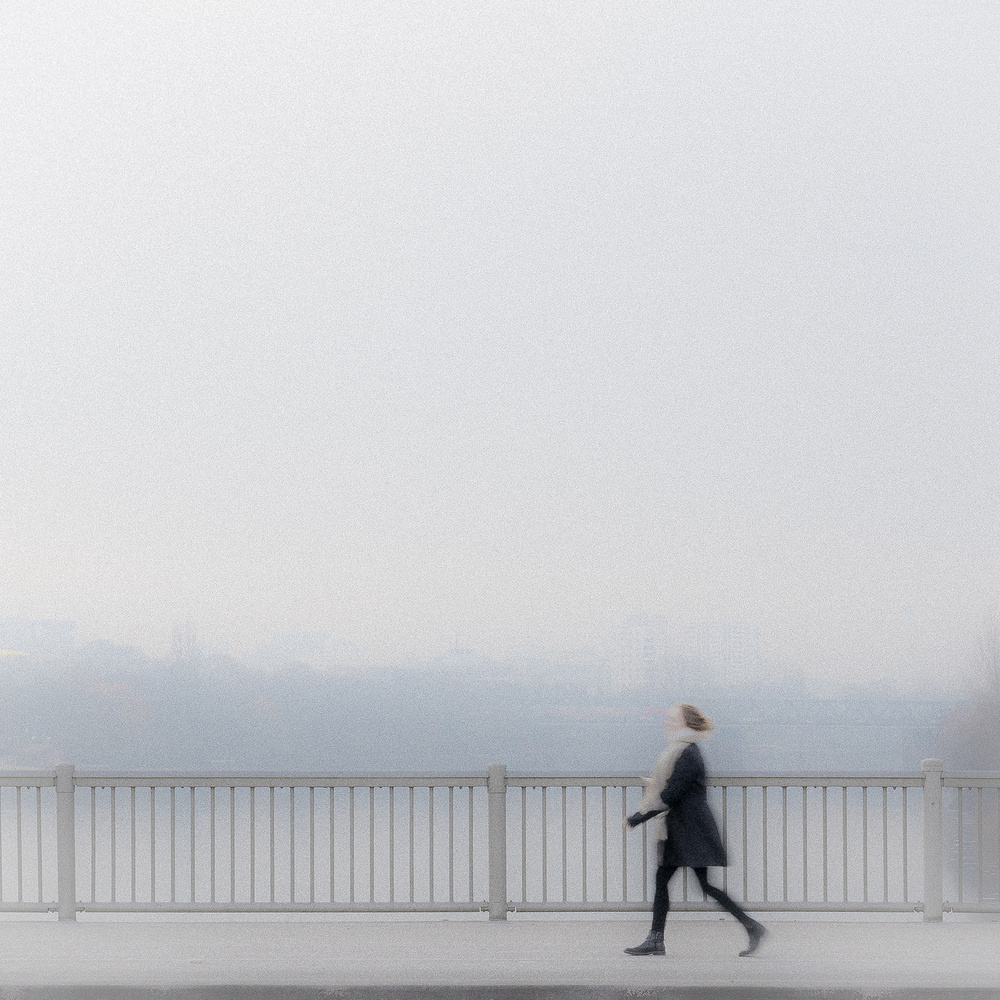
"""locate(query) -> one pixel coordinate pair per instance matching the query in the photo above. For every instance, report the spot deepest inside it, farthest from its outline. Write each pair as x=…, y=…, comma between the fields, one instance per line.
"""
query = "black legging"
x=661, y=901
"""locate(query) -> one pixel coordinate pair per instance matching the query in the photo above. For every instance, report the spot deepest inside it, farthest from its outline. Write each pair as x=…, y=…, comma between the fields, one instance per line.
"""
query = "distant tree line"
x=111, y=708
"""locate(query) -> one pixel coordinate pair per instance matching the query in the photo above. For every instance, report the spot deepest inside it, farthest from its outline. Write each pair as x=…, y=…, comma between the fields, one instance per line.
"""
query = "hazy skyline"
x=416, y=323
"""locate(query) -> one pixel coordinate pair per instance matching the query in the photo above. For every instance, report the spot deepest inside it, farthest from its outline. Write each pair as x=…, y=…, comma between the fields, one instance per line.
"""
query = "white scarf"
x=662, y=769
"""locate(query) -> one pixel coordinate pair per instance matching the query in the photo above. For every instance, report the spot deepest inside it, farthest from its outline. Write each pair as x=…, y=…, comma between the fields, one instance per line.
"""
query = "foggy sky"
x=425, y=323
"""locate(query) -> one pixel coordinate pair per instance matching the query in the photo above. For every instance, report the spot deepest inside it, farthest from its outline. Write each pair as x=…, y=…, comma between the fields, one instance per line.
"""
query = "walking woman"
x=689, y=837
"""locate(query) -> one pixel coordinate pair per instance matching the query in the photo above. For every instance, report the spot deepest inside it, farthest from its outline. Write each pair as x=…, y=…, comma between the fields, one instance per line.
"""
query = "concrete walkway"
x=457, y=958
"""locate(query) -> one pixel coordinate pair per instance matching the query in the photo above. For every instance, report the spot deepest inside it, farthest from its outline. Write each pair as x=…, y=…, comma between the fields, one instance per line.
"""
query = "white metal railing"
x=27, y=843
x=971, y=843
x=794, y=843
x=278, y=843
x=496, y=842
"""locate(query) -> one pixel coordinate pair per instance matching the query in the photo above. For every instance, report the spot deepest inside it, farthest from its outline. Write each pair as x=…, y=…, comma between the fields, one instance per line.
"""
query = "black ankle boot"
x=755, y=932
x=653, y=945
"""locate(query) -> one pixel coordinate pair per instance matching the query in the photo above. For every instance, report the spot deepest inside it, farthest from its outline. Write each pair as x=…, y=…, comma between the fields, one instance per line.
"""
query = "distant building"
x=645, y=643
x=725, y=652
x=37, y=637
x=184, y=646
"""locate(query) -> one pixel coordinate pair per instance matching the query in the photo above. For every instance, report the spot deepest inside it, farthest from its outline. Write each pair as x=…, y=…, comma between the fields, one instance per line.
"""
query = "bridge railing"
x=489, y=842
x=971, y=842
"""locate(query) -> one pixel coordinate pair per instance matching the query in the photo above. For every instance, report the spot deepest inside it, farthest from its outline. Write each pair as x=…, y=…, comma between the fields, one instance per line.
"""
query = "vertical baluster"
x=624, y=847
x=152, y=843
x=864, y=840
x=564, y=849
x=583, y=849
x=211, y=844
x=93, y=843
x=173, y=842
x=545, y=831
x=253, y=843
x=906, y=846
x=430, y=841
x=20, y=860
x=351, y=845
x=291, y=843
x=746, y=838
x=826, y=866
x=312, y=844
x=331, y=844
x=192, y=842
x=844, y=803
x=604, y=843
x=114, y=848
x=885, y=844
x=763, y=815
x=784, y=843
x=805, y=844
x=979, y=844
x=270, y=820
x=961, y=845
x=412, y=852
x=471, y=868
x=392, y=843
x=38, y=837
x=132, y=872
x=524, y=844
x=371, y=844
x=232, y=843
x=451, y=843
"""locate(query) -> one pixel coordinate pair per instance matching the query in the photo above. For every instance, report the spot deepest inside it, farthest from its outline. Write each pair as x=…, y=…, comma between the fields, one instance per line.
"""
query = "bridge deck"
x=457, y=957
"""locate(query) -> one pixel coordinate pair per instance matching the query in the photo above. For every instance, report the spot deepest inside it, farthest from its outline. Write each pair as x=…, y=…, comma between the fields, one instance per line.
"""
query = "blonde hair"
x=694, y=718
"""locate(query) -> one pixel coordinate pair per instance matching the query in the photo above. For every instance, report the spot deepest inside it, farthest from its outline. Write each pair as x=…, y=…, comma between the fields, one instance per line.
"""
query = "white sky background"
x=411, y=322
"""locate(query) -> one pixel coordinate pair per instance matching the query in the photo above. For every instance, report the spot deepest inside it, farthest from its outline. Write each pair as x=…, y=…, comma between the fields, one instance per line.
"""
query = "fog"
x=111, y=709
x=499, y=326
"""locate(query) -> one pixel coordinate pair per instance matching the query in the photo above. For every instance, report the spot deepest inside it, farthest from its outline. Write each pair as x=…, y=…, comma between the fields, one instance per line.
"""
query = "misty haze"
x=417, y=386
x=404, y=405
x=305, y=703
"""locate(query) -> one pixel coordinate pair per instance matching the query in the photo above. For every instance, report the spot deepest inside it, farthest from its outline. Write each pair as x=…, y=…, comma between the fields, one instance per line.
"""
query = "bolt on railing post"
x=66, y=841
x=496, y=787
x=933, y=850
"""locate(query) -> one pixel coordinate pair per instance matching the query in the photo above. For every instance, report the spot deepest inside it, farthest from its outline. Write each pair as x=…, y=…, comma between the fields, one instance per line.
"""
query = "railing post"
x=496, y=786
x=933, y=851
x=66, y=841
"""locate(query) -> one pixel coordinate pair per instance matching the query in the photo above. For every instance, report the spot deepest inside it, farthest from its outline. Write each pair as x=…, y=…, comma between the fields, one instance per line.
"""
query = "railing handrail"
x=278, y=781
x=990, y=779
x=970, y=781
x=201, y=779
x=205, y=779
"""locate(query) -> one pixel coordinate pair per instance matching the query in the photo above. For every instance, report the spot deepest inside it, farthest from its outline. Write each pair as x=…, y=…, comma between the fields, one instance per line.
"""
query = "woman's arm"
x=638, y=818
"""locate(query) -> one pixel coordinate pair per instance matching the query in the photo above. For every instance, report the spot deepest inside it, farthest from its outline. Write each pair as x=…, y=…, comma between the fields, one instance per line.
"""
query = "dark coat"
x=693, y=839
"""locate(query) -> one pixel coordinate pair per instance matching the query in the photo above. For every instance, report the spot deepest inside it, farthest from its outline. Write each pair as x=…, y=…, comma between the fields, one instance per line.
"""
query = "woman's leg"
x=754, y=929
x=653, y=945
x=721, y=897
x=661, y=898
